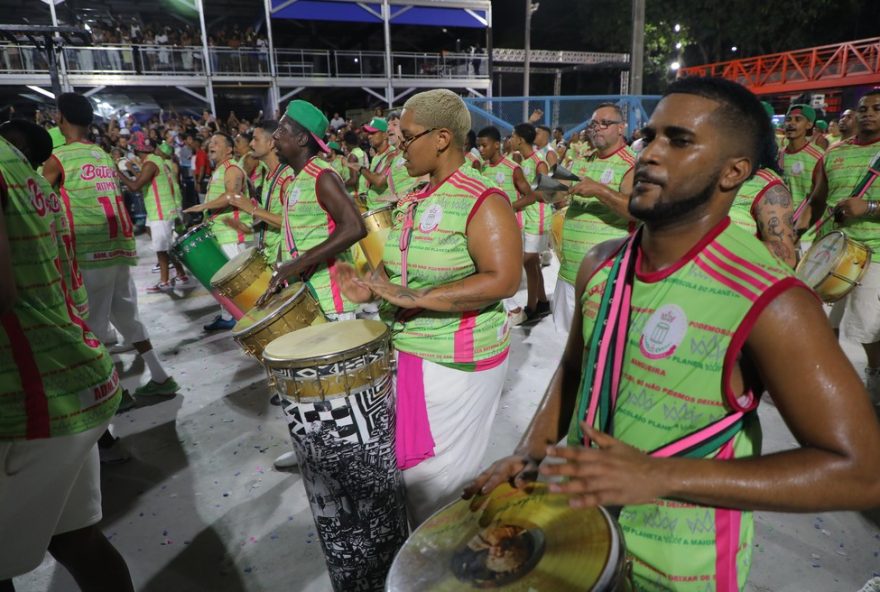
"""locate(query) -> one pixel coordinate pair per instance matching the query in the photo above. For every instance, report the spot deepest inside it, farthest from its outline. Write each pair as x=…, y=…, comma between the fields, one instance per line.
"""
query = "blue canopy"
x=350, y=12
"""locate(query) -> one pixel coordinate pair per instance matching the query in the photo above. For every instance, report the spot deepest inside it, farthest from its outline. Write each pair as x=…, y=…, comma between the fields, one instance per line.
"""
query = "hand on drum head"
x=520, y=471
x=354, y=288
x=850, y=208
x=614, y=474
x=283, y=272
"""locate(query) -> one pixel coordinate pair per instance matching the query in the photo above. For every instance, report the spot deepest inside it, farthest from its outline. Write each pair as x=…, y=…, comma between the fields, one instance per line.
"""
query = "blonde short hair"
x=441, y=108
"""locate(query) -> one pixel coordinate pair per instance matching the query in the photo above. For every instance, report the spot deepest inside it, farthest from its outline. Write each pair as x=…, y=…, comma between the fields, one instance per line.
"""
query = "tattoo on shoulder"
x=777, y=195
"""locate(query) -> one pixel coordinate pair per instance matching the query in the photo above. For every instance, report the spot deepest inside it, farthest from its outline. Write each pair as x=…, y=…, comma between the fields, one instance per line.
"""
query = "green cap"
x=334, y=146
x=311, y=118
x=165, y=148
x=804, y=110
x=822, y=125
x=768, y=108
x=377, y=124
x=58, y=138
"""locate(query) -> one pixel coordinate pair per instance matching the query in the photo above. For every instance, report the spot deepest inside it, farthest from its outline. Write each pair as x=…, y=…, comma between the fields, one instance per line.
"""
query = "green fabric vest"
x=306, y=225
x=400, y=181
x=102, y=229
x=216, y=187
x=340, y=167
x=160, y=200
x=502, y=175
x=535, y=216
x=273, y=201
x=845, y=166
x=361, y=157
x=438, y=255
x=798, y=170
x=684, y=324
x=56, y=379
x=380, y=164
x=742, y=210
x=588, y=221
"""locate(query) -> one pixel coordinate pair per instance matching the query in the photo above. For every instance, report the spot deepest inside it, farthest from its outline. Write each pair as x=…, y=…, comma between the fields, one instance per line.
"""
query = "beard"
x=662, y=213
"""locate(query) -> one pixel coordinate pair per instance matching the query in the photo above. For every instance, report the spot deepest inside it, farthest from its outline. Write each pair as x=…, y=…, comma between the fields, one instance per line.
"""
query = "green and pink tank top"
x=744, y=209
x=536, y=217
x=799, y=172
x=380, y=165
x=398, y=177
x=428, y=247
x=306, y=225
x=502, y=175
x=56, y=378
x=660, y=350
x=227, y=235
x=272, y=201
x=160, y=197
x=588, y=221
x=102, y=229
x=846, y=167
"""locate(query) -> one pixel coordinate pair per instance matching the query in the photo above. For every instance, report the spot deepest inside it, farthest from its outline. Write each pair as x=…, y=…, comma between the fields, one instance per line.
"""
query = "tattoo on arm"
x=775, y=223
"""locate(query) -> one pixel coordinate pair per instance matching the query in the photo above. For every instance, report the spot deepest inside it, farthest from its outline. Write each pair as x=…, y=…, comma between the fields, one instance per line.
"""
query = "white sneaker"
x=156, y=268
x=872, y=383
x=516, y=317
x=288, y=460
x=872, y=585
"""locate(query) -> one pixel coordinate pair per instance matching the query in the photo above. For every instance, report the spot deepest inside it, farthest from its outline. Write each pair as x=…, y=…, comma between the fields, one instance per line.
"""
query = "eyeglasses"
x=405, y=143
x=602, y=123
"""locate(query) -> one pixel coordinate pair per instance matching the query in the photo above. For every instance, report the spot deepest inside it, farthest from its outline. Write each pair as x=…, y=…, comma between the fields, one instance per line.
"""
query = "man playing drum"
x=451, y=257
x=847, y=184
x=377, y=174
x=681, y=326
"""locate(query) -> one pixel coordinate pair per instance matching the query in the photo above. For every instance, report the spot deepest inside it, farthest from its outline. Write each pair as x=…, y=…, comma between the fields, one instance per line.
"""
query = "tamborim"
x=337, y=395
x=834, y=265
x=244, y=279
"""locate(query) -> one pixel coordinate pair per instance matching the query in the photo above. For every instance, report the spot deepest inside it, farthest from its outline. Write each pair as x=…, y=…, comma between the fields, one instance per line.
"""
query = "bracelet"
x=873, y=206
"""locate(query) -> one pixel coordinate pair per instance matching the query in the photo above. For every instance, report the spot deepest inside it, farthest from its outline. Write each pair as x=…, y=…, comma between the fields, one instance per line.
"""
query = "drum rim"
x=837, y=259
x=254, y=253
x=194, y=230
x=368, y=213
x=272, y=316
x=342, y=355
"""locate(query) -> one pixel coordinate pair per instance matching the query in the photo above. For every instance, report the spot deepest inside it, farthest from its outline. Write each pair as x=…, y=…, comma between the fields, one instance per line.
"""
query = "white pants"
x=563, y=305
x=859, y=313
x=461, y=408
x=535, y=243
x=113, y=299
x=48, y=486
x=161, y=234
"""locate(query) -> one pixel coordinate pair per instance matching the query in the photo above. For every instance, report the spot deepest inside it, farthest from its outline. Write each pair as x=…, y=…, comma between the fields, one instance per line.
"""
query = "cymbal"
x=516, y=540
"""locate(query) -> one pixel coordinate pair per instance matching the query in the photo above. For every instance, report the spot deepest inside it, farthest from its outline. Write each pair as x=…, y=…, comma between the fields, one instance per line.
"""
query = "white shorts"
x=562, y=305
x=48, y=486
x=535, y=243
x=858, y=315
x=162, y=234
x=113, y=299
x=461, y=408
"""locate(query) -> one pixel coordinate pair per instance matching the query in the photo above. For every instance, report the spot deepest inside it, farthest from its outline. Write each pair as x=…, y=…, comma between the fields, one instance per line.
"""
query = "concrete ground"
x=199, y=507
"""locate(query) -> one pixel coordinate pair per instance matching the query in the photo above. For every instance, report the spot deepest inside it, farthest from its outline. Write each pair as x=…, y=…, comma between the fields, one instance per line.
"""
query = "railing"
x=173, y=61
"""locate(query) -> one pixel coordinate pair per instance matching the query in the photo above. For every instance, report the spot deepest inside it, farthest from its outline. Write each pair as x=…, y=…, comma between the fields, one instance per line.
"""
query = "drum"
x=199, y=251
x=291, y=309
x=243, y=279
x=834, y=265
x=514, y=540
x=378, y=223
x=335, y=384
x=556, y=223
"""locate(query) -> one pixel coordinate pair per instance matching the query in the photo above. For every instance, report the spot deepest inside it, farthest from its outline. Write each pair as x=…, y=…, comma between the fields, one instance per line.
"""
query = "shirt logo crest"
x=430, y=220
x=663, y=332
x=607, y=176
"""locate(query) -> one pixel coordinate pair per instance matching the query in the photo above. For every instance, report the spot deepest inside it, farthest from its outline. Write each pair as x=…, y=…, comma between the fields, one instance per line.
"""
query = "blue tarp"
x=316, y=10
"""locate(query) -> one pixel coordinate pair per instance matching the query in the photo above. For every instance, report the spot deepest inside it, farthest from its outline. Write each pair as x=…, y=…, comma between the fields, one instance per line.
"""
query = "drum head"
x=387, y=208
x=257, y=316
x=321, y=341
x=514, y=541
x=234, y=265
x=821, y=259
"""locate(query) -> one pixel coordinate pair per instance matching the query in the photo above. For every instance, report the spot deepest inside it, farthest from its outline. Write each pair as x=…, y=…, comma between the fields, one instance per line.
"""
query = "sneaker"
x=126, y=402
x=220, y=324
x=120, y=348
x=156, y=268
x=288, y=460
x=180, y=280
x=158, y=389
x=275, y=399
x=114, y=453
x=872, y=383
x=541, y=310
x=516, y=317
x=160, y=288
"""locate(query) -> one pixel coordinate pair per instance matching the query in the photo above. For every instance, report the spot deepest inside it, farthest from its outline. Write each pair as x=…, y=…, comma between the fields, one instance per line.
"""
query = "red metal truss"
x=853, y=63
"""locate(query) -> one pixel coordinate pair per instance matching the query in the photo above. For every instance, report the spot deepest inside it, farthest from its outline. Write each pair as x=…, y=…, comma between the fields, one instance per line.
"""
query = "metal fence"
x=571, y=113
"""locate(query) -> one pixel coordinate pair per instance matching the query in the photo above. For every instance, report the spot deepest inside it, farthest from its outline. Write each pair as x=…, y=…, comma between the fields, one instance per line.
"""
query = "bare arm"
x=774, y=213
x=527, y=194
x=378, y=181
x=53, y=172
x=497, y=272
x=148, y=171
x=618, y=201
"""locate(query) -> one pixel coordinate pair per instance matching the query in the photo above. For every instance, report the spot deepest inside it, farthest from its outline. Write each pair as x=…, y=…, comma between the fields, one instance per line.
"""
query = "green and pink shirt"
x=536, y=216
x=744, y=210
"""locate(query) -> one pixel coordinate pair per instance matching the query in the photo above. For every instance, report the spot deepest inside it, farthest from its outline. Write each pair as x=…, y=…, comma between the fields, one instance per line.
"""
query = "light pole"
x=530, y=8
x=637, y=54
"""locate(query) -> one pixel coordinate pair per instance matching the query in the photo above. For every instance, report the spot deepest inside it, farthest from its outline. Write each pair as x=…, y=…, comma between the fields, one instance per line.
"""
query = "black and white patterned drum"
x=335, y=383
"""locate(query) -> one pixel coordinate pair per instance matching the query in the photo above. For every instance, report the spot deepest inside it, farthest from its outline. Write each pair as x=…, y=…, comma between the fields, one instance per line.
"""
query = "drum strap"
x=603, y=366
x=871, y=175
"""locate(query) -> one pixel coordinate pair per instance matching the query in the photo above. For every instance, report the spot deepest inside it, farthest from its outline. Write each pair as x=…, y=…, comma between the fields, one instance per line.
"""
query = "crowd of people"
x=687, y=233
